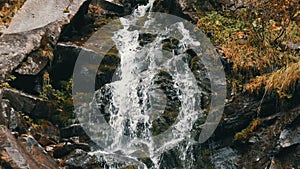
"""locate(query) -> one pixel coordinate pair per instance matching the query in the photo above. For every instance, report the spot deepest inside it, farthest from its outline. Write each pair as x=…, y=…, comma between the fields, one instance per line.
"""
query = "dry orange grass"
x=246, y=57
x=8, y=10
x=282, y=81
x=249, y=55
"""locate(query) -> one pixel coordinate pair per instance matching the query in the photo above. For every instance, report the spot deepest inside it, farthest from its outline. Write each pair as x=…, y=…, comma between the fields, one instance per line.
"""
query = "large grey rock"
x=28, y=104
x=72, y=130
x=34, y=65
x=14, y=48
x=16, y=155
x=289, y=138
x=225, y=158
x=63, y=149
x=12, y=118
x=36, y=20
x=37, y=152
x=40, y=13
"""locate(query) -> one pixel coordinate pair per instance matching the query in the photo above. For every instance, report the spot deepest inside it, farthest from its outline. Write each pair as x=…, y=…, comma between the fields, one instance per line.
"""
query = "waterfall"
x=152, y=106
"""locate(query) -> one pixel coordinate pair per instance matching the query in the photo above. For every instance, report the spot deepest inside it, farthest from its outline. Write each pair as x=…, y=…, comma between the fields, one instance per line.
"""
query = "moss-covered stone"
x=169, y=116
x=170, y=44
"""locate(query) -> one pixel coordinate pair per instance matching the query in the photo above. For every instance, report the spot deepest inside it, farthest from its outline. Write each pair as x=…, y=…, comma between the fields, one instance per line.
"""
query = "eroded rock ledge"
x=25, y=33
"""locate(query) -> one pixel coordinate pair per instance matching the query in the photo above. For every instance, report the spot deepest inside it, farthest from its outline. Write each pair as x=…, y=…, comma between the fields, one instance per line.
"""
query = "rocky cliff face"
x=38, y=128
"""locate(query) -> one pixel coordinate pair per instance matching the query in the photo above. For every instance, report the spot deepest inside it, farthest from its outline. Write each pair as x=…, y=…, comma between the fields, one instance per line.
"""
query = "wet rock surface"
x=269, y=144
x=289, y=138
x=63, y=149
x=273, y=142
x=71, y=131
x=80, y=159
x=225, y=158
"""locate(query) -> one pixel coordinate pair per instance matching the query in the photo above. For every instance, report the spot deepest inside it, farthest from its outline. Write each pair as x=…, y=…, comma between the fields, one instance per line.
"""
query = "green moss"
x=6, y=84
x=166, y=119
x=170, y=44
x=220, y=27
x=29, y=121
x=61, y=98
x=252, y=53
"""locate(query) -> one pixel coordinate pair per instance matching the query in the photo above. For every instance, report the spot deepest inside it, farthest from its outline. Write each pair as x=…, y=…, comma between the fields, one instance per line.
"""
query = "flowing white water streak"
x=126, y=101
x=125, y=95
x=151, y=109
x=153, y=101
x=187, y=92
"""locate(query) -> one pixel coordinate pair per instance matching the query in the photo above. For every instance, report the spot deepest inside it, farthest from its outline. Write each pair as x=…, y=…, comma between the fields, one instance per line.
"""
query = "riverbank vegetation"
x=262, y=41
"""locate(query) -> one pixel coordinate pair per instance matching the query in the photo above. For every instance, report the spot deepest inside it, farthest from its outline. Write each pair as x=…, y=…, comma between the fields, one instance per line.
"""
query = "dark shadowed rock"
x=174, y=7
x=273, y=143
x=65, y=59
x=189, y=9
x=63, y=149
x=46, y=133
x=29, y=26
x=65, y=56
x=240, y=111
x=72, y=130
x=34, y=106
x=44, y=140
x=80, y=159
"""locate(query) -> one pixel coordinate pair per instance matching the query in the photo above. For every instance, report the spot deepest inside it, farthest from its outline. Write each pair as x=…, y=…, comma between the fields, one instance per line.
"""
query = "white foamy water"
x=136, y=100
x=140, y=100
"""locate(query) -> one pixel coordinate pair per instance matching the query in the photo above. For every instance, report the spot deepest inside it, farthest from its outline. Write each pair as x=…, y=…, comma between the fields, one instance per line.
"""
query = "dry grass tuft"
x=282, y=81
x=8, y=10
x=247, y=58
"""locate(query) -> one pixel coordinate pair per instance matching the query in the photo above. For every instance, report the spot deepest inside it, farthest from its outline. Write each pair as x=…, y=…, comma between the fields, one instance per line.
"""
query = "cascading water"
x=153, y=104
